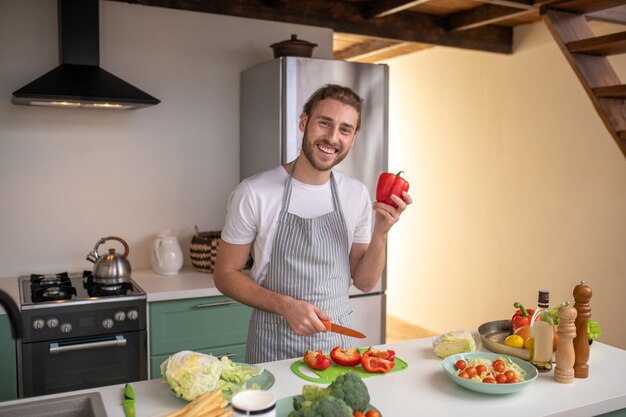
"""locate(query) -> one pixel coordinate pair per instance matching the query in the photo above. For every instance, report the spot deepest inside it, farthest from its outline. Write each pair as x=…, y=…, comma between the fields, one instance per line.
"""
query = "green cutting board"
x=329, y=374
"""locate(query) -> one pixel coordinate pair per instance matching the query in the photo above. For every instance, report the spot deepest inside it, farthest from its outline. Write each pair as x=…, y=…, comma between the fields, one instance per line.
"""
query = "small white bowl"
x=254, y=403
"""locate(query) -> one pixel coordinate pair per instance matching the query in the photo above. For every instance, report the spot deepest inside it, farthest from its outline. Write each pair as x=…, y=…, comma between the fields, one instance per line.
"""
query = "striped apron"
x=309, y=262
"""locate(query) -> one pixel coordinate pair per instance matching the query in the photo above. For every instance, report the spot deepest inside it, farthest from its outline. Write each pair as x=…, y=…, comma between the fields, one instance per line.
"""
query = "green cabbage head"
x=191, y=374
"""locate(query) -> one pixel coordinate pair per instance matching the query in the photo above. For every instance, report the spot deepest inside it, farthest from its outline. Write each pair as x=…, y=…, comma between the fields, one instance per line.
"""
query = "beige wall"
x=517, y=186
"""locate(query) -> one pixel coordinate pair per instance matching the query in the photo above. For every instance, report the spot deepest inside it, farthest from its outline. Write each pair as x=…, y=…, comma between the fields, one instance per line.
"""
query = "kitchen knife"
x=129, y=401
x=332, y=327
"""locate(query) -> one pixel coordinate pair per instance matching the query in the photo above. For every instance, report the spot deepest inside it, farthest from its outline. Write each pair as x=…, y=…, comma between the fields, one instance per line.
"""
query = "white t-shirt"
x=254, y=206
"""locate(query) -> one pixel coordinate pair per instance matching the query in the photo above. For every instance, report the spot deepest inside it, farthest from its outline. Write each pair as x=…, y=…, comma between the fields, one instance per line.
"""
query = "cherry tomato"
x=464, y=375
x=358, y=414
x=480, y=369
x=471, y=371
x=498, y=365
x=460, y=364
x=509, y=375
x=501, y=379
x=489, y=381
x=372, y=413
x=512, y=380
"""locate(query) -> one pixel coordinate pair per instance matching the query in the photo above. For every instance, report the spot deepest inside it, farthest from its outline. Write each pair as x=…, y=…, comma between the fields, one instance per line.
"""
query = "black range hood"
x=79, y=82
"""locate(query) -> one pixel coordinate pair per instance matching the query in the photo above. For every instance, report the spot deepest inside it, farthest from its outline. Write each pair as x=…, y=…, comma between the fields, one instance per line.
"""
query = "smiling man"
x=309, y=230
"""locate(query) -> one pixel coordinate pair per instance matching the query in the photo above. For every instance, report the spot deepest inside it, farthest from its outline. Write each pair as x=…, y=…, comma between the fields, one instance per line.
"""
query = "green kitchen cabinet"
x=216, y=325
x=8, y=361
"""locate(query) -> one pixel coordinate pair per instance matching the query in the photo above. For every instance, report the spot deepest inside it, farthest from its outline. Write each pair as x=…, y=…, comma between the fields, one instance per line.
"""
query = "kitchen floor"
x=399, y=330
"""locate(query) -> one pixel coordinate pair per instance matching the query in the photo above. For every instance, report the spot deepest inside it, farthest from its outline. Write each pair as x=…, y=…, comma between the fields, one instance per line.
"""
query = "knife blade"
x=332, y=327
x=129, y=401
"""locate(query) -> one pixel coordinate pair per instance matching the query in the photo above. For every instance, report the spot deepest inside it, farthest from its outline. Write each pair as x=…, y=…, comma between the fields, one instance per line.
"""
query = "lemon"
x=515, y=341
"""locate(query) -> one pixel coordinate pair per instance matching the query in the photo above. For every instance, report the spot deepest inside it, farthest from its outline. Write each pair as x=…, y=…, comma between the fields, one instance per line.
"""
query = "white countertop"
x=424, y=389
x=187, y=283
x=421, y=389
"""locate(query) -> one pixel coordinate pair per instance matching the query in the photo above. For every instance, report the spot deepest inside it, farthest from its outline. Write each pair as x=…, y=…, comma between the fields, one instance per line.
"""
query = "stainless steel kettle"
x=112, y=268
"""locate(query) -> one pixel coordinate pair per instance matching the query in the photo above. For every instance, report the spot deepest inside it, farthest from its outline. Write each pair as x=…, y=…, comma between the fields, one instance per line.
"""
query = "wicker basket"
x=203, y=250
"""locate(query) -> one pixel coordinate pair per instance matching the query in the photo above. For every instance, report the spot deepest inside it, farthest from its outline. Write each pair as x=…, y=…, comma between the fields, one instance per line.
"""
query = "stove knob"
x=38, y=324
x=66, y=328
x=120, y=316
x=52, y=323
x=107, y=323
x=133, y=315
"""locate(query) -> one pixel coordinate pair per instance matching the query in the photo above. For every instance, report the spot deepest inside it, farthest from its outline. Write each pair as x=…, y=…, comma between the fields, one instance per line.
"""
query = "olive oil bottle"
x=542, y=334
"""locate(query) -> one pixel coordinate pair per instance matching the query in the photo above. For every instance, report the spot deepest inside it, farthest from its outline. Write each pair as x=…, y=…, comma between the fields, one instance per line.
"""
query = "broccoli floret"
x=351, y=388
x=299, y=403
x=346, y=394
x=326, y=406
x=313, y=392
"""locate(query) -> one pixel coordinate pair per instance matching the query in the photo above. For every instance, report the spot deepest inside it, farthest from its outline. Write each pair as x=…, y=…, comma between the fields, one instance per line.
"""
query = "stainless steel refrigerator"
x=272, y=96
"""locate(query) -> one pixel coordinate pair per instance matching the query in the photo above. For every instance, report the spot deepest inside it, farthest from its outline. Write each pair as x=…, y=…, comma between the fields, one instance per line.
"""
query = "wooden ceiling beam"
x=514, y=4
x=612, y=15
x=364, y=48
x=492, y=12
x=481, y=16
x=380, y=8
x=346, y=17
x=586, y=6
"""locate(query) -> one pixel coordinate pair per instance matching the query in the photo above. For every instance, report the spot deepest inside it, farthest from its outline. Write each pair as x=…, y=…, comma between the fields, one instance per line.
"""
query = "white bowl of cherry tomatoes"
x=489, y=373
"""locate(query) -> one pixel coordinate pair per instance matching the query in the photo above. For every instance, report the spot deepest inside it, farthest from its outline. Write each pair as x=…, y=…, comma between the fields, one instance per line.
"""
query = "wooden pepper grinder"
x=565, y=354
x=582, y=295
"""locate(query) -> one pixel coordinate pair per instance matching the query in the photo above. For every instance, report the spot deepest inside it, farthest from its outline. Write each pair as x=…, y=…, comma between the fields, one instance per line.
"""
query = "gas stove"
x=47, y=290
x=80, y=334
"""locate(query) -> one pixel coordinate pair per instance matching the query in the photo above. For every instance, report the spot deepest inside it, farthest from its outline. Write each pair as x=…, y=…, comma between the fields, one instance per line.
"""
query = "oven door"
x=71, y=364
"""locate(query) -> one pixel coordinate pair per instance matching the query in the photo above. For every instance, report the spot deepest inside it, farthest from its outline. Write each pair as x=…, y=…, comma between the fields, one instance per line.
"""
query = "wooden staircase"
x=567, y=20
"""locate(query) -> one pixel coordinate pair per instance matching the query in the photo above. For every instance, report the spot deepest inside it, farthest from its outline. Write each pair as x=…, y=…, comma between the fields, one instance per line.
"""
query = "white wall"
x=69, y=177
x=517, y=187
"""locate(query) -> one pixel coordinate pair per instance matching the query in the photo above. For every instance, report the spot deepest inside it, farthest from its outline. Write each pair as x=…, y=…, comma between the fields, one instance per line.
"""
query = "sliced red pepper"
x=375, y=364
x=388, y=185
x=380, y=353
x=522, y=317
x=347, y=357
x=316, y=359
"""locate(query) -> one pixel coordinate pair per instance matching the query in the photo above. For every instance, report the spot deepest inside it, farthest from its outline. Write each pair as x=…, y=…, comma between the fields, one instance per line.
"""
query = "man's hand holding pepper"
x=386, y=215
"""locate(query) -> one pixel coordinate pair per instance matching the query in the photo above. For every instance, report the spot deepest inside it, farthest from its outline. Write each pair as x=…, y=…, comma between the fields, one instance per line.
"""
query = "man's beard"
x=308, y=149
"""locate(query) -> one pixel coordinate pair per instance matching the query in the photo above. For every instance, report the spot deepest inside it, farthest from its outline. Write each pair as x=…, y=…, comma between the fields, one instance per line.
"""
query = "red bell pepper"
x=379, y=353
x=347, y=357
x=522, y=317
x=388, y=185
x=376, y=364
x=316, y=359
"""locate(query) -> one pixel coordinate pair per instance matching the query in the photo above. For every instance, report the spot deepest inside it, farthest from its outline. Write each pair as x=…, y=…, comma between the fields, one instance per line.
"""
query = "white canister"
x=254, y=403
x=167, y=255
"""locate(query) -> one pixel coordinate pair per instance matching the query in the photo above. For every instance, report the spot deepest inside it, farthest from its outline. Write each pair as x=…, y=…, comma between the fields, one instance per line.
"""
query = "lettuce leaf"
x=593, y=330
x=238, y=373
